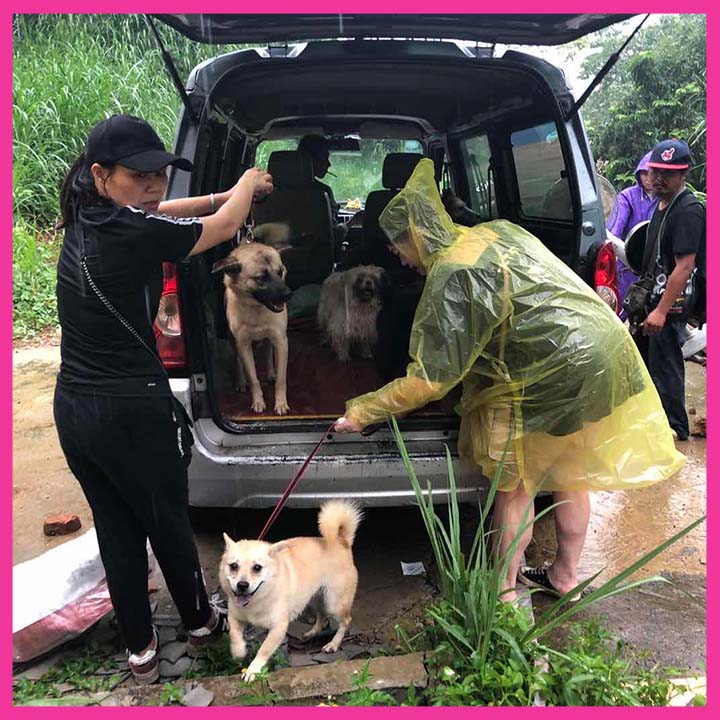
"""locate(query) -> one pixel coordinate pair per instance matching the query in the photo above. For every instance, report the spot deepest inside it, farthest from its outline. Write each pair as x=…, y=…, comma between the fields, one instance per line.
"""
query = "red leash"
x=281, y=502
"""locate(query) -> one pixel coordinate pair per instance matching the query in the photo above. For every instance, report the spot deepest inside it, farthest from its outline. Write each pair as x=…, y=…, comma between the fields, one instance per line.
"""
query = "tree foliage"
x=655, y=91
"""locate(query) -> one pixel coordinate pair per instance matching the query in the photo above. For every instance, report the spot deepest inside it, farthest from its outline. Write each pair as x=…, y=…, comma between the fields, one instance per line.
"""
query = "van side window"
x=540, y=169
x=475, y=153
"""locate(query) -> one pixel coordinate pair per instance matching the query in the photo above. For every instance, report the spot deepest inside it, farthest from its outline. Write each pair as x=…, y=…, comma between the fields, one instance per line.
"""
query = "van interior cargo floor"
x=318, y=385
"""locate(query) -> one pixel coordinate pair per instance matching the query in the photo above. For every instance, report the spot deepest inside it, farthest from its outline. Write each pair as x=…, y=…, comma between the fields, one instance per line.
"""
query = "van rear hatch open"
x=546, y=29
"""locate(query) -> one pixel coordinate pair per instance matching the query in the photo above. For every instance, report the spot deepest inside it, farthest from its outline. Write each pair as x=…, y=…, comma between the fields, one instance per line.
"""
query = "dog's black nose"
x=242, y=586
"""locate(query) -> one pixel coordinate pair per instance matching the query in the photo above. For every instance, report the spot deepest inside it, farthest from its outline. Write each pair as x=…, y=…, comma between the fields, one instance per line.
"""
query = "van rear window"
x=353, y=174
x=540, y=169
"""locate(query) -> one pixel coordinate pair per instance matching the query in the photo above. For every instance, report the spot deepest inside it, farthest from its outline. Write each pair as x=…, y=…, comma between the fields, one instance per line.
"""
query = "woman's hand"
x=260, y=181
x=345, y=425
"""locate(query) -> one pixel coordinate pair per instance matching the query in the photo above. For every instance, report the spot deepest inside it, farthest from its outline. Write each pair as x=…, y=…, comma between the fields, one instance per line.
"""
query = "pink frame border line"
x=709, y=7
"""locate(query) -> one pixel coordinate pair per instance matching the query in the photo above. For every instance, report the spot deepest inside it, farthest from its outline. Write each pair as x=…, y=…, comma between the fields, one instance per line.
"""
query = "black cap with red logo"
x=671, y=155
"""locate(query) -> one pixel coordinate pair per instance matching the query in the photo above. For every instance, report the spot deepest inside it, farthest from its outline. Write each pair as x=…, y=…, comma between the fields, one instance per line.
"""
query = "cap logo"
x=667, y=155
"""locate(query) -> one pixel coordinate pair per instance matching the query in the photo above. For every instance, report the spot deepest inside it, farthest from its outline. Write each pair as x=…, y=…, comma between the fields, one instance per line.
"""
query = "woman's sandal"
x=200, y=638
x=538, y=578
x=144, y=666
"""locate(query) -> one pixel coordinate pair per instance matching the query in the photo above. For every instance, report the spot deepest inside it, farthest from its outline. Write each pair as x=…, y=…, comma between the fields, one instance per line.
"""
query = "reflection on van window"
x=540, y=169
x=353, y=174
x=476, y=160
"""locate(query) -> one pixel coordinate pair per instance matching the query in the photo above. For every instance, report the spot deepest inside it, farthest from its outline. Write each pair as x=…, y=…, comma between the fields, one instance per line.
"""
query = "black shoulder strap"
x=687, y=199
x=683, y=199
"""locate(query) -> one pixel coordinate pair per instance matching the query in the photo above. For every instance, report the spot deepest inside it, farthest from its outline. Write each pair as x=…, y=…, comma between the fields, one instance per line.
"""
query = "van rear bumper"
x=258, y=481
x=253, y=470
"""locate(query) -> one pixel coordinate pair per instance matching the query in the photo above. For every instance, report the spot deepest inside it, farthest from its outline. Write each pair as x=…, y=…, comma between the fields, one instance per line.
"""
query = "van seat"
x=306, y=208
x=397, y=169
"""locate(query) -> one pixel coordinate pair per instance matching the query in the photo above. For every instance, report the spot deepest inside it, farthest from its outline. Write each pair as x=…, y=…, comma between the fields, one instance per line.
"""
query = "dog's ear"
x=228, y=540
x=228, y=264
x=277, y=547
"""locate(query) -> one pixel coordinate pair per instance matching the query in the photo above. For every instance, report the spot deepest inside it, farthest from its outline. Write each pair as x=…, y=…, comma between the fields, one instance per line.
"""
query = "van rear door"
x=510, y=29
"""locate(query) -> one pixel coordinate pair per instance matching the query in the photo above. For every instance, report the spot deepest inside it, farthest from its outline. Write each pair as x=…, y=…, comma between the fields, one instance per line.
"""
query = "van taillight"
x=606, y=277
x=168, y=323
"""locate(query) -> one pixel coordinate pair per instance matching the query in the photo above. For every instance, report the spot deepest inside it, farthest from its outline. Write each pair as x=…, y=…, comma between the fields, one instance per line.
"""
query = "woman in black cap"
x=118, y=426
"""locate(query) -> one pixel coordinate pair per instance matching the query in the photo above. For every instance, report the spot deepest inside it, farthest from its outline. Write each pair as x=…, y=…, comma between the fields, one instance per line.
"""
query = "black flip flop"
x=538, y=578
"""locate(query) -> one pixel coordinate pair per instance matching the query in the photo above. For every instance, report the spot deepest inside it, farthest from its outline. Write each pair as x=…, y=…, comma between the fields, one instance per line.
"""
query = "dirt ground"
x=666, y=620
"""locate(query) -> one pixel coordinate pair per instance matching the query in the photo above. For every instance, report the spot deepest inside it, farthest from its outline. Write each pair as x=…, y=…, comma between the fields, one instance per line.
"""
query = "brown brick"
x=61, y=524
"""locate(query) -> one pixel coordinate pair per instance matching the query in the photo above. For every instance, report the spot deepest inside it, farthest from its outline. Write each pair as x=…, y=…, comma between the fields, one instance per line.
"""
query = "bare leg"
x=571, y=524
x=281, y=355
x=269, y=646
x=510, y=507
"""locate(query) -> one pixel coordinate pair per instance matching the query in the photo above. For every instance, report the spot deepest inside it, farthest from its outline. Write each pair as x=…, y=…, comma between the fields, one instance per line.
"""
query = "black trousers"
x=124, y=453
x=663, y=356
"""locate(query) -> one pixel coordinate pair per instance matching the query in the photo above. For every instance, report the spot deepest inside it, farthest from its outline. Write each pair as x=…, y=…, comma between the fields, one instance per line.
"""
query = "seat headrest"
x=397, y=169
x=290, y=168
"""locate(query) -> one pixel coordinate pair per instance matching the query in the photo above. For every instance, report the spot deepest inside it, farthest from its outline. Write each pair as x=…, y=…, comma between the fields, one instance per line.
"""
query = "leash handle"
x=283, y=500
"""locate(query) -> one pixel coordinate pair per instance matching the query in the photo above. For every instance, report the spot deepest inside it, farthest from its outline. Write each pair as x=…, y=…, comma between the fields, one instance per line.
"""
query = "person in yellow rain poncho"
x=548, y=372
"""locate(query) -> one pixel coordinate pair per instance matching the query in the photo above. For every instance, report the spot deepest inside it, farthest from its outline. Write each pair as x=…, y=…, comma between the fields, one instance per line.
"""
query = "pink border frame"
x=709, y=7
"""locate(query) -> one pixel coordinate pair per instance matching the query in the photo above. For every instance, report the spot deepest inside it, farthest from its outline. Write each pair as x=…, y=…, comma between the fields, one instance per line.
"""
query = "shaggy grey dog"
x=349, y=305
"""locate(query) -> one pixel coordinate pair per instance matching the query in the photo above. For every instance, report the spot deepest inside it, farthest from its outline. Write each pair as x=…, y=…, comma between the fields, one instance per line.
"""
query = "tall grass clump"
x=486, y=650
x=70, y=72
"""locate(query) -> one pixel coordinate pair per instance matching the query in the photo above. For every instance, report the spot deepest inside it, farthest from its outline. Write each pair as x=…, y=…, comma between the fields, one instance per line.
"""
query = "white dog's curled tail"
x=338, y=521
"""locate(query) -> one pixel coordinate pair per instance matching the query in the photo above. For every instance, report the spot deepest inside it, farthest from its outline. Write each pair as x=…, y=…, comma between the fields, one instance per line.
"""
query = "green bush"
x=34, y=261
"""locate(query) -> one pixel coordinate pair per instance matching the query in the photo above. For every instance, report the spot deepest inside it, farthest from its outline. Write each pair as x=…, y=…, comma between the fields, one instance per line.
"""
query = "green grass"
x=80, y=672
x=487, y=652
x=34, y=262
x=70, y=72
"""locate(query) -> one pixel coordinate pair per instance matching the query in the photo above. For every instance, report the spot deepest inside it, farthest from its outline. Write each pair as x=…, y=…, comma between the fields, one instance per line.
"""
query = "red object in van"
x=606, y=277
x=168, y=324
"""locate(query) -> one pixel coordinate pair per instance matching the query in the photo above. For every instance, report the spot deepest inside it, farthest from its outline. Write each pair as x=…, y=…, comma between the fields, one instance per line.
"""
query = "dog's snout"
x=242, y=586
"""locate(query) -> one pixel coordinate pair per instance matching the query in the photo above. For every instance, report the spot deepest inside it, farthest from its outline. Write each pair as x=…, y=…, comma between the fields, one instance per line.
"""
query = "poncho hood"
x=416, y=214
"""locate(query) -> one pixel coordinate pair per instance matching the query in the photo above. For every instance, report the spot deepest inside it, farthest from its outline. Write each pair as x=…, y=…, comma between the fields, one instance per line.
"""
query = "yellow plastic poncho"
x=548, y=370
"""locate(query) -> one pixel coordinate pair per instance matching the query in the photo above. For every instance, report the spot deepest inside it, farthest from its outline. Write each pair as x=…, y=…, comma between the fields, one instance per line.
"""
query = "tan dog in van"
x=269, y=584
x=255, y=297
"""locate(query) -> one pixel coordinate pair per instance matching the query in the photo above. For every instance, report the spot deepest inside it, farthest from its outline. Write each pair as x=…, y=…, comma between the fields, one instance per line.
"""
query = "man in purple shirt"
x=633, y=205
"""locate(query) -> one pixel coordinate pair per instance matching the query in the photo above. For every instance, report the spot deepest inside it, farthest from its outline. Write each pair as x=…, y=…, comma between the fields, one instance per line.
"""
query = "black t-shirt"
x=682, y=234
x=125, y=249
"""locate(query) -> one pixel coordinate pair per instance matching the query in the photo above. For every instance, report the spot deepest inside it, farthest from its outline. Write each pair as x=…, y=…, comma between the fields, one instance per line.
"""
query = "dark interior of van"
x=495, y=146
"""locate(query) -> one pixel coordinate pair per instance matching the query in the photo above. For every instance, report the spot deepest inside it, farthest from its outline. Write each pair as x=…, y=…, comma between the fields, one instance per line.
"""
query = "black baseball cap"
x=671, y=154
x=130, y=141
